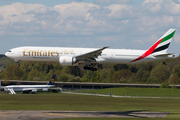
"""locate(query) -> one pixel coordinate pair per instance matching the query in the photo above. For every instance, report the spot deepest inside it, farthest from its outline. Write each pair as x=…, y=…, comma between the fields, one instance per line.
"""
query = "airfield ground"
x=56, y=104
x=127, y=91
x=39, y=115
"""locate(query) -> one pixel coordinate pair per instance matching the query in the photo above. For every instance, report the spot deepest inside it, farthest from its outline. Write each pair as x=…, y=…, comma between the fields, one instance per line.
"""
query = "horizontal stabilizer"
x=165, y=55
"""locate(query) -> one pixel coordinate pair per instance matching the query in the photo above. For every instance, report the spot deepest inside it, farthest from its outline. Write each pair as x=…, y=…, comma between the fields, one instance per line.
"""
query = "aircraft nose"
x=6, y=54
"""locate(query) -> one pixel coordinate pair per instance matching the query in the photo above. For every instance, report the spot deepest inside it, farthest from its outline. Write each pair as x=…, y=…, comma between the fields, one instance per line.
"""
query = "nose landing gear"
x=18, y=65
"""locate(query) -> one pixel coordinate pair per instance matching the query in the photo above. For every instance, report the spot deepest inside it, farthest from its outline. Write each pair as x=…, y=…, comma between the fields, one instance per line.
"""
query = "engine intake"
x=67, y=60
x=45, y=90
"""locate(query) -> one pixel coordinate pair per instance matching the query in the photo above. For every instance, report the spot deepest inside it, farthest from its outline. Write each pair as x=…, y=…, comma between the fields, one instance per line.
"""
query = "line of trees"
x=152, y=72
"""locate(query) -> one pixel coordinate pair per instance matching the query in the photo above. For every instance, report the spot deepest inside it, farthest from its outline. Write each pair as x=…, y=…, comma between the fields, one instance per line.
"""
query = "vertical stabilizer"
x=164, y=42
x=52, y=80
x=160, y=47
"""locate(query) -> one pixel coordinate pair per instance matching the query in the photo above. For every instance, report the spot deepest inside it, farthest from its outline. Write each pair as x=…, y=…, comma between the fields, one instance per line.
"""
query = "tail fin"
x=164, y=42
x=52, y=80
x=160, y=47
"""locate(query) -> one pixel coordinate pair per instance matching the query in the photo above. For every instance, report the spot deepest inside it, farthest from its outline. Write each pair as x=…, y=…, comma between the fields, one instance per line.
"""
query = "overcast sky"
x=122, y=24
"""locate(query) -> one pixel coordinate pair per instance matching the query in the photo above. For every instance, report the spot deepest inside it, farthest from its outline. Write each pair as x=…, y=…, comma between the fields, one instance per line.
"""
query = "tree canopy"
x=152, y=72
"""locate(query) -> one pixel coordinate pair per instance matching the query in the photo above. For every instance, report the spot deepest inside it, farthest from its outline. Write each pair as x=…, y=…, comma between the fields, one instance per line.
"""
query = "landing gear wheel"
x=85, y=67
x=90, y=68
x=18, y=65
x=93, y=69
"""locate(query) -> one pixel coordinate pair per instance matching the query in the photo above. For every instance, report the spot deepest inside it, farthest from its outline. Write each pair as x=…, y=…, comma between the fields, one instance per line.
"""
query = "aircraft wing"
x=27, y=89
x=91, y=55
x=31, y=89
x=34, y=89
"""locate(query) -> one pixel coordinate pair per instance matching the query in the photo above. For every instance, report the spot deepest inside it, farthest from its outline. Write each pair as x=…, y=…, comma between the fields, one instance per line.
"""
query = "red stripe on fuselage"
x=148, y=52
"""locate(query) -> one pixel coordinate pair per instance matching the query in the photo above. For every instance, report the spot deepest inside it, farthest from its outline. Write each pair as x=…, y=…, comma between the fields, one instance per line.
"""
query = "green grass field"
x=144, y=92
x=59, y=101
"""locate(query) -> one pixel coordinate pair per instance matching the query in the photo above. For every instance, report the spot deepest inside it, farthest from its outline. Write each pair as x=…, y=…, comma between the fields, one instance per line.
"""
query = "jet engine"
x=34, y=90
x=67, y=60
x=45, y=90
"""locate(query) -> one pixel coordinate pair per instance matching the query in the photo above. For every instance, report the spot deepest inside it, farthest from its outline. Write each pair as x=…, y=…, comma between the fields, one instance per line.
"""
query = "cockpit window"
x=9, y=51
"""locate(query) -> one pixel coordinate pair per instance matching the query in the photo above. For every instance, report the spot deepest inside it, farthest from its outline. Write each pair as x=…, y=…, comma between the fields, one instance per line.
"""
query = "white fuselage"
x=20, y=88
x=53, y=54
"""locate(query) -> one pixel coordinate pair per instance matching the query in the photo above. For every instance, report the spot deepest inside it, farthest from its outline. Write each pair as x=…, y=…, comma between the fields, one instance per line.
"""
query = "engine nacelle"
x=45, y=90
x=34, y=90
x=67, y=60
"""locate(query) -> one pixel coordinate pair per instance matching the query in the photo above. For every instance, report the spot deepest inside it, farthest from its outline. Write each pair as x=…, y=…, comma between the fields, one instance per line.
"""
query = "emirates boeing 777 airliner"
x=68, y=56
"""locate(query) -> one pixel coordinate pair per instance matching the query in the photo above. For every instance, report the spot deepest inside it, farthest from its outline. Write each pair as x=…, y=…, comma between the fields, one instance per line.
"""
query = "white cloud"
x=90, y=23
x=161, y=21
x=109, y=38
x=162, y=6
x=74, y=9
x=177, y=38
x=111, y=1
x=118, y=10
x=17, y=12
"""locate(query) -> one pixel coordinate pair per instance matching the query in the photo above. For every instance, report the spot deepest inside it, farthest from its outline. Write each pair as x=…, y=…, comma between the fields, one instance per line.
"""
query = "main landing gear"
x=17, y=61
x=90, y=68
